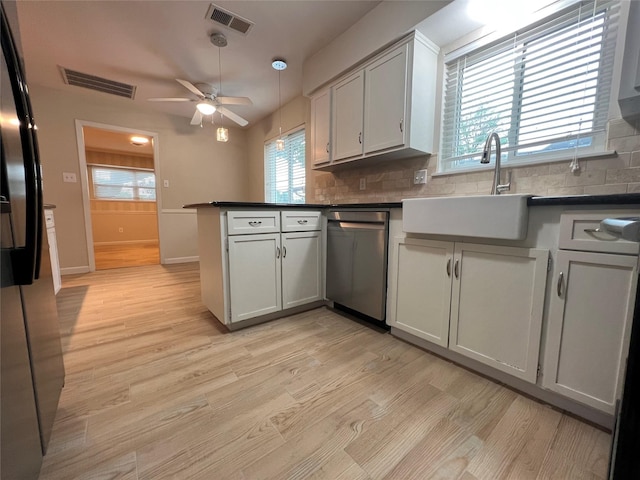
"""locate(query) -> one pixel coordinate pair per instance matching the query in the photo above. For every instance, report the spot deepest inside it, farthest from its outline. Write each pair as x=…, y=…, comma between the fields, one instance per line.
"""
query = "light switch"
x=69, y=177
x=166, y=183
x=363, y=183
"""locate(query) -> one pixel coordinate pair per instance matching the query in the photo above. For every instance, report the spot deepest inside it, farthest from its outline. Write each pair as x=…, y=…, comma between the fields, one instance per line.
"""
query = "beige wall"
x=294, y=114
x=198, y=168
x=391, y=181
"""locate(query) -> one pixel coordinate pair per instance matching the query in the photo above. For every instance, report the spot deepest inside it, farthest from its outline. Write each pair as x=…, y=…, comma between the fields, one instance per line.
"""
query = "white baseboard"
x=74, y=270
x=169, y=261
x=128, y=242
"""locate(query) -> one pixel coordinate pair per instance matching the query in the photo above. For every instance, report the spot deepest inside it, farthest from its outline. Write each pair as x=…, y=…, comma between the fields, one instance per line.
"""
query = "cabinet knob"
x=255, y=223
x=302, y=222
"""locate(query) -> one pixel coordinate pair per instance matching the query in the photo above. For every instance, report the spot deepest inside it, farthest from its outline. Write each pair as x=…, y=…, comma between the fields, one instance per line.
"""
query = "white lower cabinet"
x=590, y=316
x=254, y=275
x=482, y=301
x=421, y=303
x=497, y=305
x=301, y=268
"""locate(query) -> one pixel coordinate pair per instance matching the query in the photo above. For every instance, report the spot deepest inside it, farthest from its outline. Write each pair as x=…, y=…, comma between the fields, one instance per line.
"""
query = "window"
x=285, y=170
x=117, y=183
x=545, y=90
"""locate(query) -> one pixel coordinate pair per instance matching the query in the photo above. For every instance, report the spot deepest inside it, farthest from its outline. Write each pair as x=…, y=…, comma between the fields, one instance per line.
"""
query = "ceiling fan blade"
x=191, y=87
x=232, y=116
x=169, y=99
x=234, y=100
x=197, y=118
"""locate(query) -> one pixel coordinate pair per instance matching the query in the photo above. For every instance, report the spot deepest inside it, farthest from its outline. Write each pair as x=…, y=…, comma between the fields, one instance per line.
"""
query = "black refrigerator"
x=32, y=371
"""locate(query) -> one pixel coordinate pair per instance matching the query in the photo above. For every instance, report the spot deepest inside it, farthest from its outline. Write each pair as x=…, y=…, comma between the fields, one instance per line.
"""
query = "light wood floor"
x=126, y=255
x=156, y=389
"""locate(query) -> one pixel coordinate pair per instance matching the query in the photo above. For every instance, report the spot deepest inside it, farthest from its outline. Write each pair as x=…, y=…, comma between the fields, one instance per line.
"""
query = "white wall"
x=198, y=168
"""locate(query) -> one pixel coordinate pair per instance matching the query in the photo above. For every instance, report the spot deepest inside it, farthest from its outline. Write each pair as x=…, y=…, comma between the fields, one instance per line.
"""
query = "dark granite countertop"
x=293, y=205
x=613, y=199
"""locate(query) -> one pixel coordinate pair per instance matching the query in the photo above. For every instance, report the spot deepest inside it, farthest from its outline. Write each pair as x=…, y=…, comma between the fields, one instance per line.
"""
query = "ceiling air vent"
x=99, y=84
x=229, y=20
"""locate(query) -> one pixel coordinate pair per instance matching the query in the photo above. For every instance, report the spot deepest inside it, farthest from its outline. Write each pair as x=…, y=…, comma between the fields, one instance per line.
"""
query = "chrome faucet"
x=496, y=187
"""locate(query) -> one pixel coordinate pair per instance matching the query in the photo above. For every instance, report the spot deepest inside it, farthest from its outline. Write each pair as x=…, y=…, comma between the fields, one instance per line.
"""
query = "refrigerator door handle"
x=25, y=259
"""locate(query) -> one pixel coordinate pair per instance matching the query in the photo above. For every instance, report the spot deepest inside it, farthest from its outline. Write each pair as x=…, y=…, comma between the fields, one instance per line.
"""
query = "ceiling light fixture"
x=205, y=107
x=219, y=40
x=279, y=64
x=139, y=141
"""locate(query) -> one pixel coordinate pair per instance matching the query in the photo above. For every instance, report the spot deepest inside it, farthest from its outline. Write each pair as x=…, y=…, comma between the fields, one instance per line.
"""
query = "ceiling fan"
x=208, y=101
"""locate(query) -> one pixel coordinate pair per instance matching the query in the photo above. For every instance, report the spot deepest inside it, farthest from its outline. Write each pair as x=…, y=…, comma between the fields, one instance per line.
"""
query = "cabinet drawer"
x=247, y=222
x=577, y=232
x=301, y=221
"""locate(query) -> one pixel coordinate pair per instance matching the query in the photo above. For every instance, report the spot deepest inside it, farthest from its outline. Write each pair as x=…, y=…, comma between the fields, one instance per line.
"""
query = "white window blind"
x=116, y=183
x=285, y=170
x=545, y=90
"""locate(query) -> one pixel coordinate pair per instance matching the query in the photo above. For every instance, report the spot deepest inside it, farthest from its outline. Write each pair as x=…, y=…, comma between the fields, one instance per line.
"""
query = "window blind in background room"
x=122, y=183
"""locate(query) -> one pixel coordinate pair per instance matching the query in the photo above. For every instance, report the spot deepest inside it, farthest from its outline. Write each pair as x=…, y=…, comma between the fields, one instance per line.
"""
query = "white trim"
x=170, y=261
x=284, y=134
x=122, y=212
x=506, y=165
x=74, y=270
x=84, y=180
x=179, y=211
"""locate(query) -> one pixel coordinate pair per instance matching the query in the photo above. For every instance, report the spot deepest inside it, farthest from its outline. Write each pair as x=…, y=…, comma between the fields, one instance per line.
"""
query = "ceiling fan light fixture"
x=280, y=145
x=222, y=134
x=206, y=107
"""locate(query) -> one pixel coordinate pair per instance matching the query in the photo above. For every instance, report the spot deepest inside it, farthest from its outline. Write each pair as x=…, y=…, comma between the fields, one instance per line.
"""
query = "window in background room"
x=117, y=183
x=284, y=170
x=545, y=90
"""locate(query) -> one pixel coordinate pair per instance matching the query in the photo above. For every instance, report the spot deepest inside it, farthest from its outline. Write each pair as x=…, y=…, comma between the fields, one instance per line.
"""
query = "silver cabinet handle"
x=559, y=285
x=456, y=270
x=277, y=252
x=284, y=251
x=360, y=138
x=302, y=222
x=255, y=223
x=401, y=125
x=592, y=230
x=327, y=147
x=449, y=268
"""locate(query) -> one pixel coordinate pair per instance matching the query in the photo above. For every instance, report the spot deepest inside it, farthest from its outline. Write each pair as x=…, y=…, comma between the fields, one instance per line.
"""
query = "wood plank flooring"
x=157, y=389
x=126, y=255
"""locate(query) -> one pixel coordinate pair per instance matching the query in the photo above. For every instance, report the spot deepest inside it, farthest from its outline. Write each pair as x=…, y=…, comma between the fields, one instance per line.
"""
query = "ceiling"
x=151, y=43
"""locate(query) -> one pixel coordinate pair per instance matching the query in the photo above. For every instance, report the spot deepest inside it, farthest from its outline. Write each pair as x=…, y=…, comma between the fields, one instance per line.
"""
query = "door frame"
x=84, y=180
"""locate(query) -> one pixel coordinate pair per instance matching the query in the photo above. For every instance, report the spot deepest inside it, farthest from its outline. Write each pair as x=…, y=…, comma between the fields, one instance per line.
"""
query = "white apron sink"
x=482, y=216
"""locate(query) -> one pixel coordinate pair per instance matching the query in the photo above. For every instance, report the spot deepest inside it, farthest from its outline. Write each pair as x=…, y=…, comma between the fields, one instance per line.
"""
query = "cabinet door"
x=254, y=275
x=496, y=306
x=301, y=268
x=590, y=314
x=385, y=101
x=421, y=288
x=321, y=127
x=347, y=113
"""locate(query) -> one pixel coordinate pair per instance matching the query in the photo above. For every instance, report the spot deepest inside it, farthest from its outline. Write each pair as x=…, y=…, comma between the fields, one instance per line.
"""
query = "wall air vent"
x=230, y=20
x=99, y=84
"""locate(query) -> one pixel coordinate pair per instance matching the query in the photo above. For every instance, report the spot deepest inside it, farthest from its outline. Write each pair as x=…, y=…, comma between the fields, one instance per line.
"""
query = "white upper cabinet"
x=385, y=107
x=348, y=105
x=385, y=98
x=321, y=127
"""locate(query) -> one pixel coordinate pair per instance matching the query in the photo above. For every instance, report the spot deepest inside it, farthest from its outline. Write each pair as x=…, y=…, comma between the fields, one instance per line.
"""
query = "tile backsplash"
x=392, y=180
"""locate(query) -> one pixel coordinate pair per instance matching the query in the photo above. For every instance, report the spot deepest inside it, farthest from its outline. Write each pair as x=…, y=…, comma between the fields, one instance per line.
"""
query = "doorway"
x=120, y=198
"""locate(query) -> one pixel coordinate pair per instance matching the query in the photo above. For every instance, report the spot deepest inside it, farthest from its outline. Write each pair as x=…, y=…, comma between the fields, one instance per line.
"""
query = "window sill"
x=483, y=168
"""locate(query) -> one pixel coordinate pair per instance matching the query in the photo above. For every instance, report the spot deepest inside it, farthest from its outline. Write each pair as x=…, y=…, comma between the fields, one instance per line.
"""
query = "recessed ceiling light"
x=139, y=141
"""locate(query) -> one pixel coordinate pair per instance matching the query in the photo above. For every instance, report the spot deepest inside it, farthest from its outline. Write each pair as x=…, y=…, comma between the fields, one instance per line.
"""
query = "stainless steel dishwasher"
x=357, y=262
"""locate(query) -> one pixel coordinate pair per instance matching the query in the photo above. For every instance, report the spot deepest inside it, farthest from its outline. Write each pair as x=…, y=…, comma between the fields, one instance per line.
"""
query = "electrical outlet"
x=120, y=230
x=69, y=177
x=363, y=183
x=419, y=177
